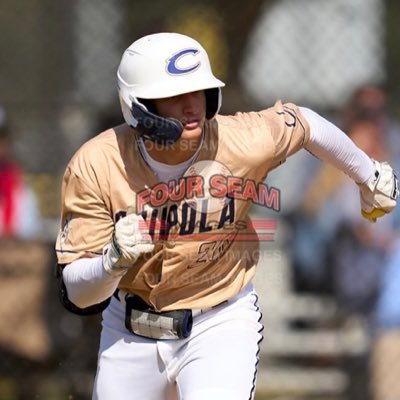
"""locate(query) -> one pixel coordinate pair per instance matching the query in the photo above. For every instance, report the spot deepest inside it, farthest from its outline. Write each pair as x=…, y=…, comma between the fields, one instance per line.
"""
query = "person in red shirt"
x=19, y=215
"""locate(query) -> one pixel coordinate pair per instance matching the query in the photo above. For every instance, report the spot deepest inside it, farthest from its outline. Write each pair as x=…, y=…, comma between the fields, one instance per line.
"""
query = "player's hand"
x=129, y=242
x=378, y=195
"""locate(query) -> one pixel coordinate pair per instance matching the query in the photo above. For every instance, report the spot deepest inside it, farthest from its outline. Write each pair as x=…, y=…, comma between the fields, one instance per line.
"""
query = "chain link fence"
x=316, y=54
x=58, y=64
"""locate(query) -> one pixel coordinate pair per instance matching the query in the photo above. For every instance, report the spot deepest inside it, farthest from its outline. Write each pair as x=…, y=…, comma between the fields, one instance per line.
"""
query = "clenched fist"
x=129, y=242
x=379, y=194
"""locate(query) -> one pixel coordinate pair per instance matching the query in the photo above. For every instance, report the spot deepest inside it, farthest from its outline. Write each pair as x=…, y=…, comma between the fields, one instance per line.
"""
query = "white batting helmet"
x=164, y=65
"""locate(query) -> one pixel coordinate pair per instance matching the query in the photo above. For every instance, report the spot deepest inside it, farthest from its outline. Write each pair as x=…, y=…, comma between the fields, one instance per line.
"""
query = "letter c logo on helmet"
x=172, y=66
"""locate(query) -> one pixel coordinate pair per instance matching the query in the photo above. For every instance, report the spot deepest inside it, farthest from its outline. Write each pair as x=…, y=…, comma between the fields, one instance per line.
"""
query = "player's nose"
x=193, y=102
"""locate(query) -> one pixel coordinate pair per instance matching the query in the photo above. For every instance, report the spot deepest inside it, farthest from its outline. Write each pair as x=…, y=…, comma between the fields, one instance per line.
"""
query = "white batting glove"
x=129, y=242
x=378, y=195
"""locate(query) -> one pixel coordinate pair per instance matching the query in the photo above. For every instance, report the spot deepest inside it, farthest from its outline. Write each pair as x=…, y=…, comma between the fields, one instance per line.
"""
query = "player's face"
x=188, y=108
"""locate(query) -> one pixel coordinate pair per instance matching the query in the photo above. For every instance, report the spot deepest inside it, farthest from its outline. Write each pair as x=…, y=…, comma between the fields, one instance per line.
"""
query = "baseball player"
x=160, y=248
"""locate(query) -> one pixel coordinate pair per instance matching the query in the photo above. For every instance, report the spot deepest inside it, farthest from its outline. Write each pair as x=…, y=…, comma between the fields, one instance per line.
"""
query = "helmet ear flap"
x=213, y=102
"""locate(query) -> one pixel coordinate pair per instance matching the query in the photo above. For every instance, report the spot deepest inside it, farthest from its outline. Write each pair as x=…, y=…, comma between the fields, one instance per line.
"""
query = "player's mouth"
x=192, y=123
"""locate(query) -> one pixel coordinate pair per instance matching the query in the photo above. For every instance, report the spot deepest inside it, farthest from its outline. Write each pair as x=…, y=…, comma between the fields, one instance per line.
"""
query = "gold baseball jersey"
x=201, y=257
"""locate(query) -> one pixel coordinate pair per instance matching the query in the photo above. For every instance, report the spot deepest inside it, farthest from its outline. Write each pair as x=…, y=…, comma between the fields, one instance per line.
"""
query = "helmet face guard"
x=160, y=66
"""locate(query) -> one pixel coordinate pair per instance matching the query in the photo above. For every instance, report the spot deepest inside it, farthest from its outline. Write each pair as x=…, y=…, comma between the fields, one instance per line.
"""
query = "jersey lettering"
x=186, y=220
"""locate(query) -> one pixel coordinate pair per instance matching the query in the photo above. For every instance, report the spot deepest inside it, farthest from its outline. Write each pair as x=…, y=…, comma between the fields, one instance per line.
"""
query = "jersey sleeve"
x=288, y=128
x=86, y=224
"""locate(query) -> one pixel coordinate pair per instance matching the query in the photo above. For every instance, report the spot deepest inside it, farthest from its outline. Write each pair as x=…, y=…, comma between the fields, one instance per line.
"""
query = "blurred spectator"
x=335, y=250
x=385, y=358
x=24, y=263
x=328, y=211
x=19, y=214
x=358, y=248
x=371, y=126
x=371, y=103
x=348, y=256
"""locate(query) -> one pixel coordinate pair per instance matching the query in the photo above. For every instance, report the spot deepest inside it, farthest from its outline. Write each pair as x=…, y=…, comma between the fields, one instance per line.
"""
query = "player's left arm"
x=377, y=181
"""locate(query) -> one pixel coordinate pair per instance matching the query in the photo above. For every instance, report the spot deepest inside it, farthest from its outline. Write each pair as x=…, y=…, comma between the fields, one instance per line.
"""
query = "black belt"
x=143, y=320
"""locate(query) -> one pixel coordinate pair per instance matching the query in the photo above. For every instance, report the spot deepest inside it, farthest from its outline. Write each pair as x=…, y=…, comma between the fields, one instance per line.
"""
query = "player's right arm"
x=93, y=254
x=90, y=281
